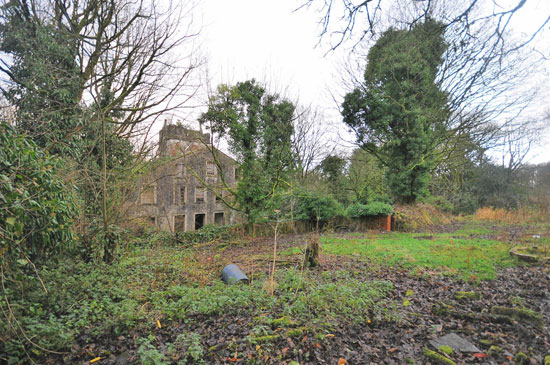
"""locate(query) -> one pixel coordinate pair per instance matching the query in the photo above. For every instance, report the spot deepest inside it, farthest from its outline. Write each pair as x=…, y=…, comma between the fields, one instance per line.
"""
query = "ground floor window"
x=199, y=220
x=219, y=219
x=179, y=223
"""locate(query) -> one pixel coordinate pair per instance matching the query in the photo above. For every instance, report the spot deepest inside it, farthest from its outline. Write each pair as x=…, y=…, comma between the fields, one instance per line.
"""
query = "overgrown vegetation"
x=37, y=206
x=179, y=286
x=86, y=81
x=174, y=285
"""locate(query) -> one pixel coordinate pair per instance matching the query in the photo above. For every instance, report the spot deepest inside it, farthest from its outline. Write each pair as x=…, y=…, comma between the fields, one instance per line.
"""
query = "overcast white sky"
x=267, y=40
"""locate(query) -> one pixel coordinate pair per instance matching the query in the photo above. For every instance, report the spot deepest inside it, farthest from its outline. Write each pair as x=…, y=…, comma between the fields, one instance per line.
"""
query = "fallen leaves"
x=234, y=358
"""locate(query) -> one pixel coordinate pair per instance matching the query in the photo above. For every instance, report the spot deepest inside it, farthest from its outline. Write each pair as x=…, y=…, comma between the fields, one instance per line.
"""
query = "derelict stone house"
x=185, y=191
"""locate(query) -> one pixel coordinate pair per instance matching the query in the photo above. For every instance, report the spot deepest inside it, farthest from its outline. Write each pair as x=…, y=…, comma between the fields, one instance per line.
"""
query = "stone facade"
x=187, y=189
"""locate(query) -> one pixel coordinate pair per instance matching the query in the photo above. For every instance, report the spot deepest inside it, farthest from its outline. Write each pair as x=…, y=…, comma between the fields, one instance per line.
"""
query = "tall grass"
x=513, y=216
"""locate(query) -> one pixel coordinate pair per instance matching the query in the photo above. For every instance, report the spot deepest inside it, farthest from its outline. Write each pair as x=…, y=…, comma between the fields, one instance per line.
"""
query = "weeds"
x=190, y=344
x=148, y=354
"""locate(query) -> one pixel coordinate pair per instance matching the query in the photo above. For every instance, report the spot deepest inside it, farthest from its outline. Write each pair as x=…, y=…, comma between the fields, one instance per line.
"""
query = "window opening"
x=199, y=220
x=179, y=223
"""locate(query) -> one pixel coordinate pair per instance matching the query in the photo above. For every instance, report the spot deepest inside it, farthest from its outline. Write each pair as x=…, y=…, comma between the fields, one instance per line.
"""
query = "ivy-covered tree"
x=366, y=178
x=399, y=113
x=44, y=79
x=258, y=127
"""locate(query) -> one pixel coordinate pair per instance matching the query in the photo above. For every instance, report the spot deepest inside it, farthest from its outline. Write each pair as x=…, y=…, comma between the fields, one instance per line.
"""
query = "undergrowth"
x=171, y=285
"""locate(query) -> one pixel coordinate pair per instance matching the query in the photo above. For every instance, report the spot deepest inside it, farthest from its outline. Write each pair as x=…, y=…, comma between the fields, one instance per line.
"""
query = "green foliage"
x=339, y=296
x=45, y=84
x=258, y=126
x=359, y=210
x=440, y=202
x=333, y=172
x=208, y=233
x=498, y=186
x=366, y=177
x=191, y=344
x=148, y=353
x=36, y=206
x=399, y=114
x=313, y=206
x=97, y=299
x=63, y=105
x=452, y=183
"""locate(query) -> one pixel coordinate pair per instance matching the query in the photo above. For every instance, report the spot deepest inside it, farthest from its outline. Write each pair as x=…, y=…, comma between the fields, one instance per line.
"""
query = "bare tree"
x=122, y=54
x=308, y=140
x=340, y=19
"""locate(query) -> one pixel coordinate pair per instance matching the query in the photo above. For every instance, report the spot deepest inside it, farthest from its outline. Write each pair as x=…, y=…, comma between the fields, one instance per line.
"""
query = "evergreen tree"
x=399, y=113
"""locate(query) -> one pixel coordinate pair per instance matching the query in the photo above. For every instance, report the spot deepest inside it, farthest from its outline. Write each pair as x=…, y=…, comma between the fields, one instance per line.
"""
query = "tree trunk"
x=311, y=258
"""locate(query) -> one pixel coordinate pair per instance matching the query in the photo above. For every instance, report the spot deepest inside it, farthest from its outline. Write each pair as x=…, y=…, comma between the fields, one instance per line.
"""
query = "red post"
x=388, y=223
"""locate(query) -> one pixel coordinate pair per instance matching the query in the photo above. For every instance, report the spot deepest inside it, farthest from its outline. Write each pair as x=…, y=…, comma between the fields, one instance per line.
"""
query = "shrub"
x=440, y=202
x=36, y=205
x=207, y=233
x=311, y=206
x=359, y=210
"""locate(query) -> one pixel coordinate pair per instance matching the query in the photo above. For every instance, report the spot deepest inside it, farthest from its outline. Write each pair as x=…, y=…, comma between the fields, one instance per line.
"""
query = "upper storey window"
x=211, y=168
x=180, y=170
x=148, y=194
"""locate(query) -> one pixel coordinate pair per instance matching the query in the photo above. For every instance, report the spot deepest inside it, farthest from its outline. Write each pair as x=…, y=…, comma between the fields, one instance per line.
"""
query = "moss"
x=320, y=336
x=437, y=358
x=261, y=339
x=521, y=359
x=441, y=308
x=494, y=351
x=283, y=322
x=297, y=332
x=486, y=343
x=444, y=349
x=519, y=314
x=467, y=295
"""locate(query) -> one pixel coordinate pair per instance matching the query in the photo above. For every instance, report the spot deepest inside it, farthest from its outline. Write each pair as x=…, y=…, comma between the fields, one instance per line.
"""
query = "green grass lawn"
x=456, y=253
